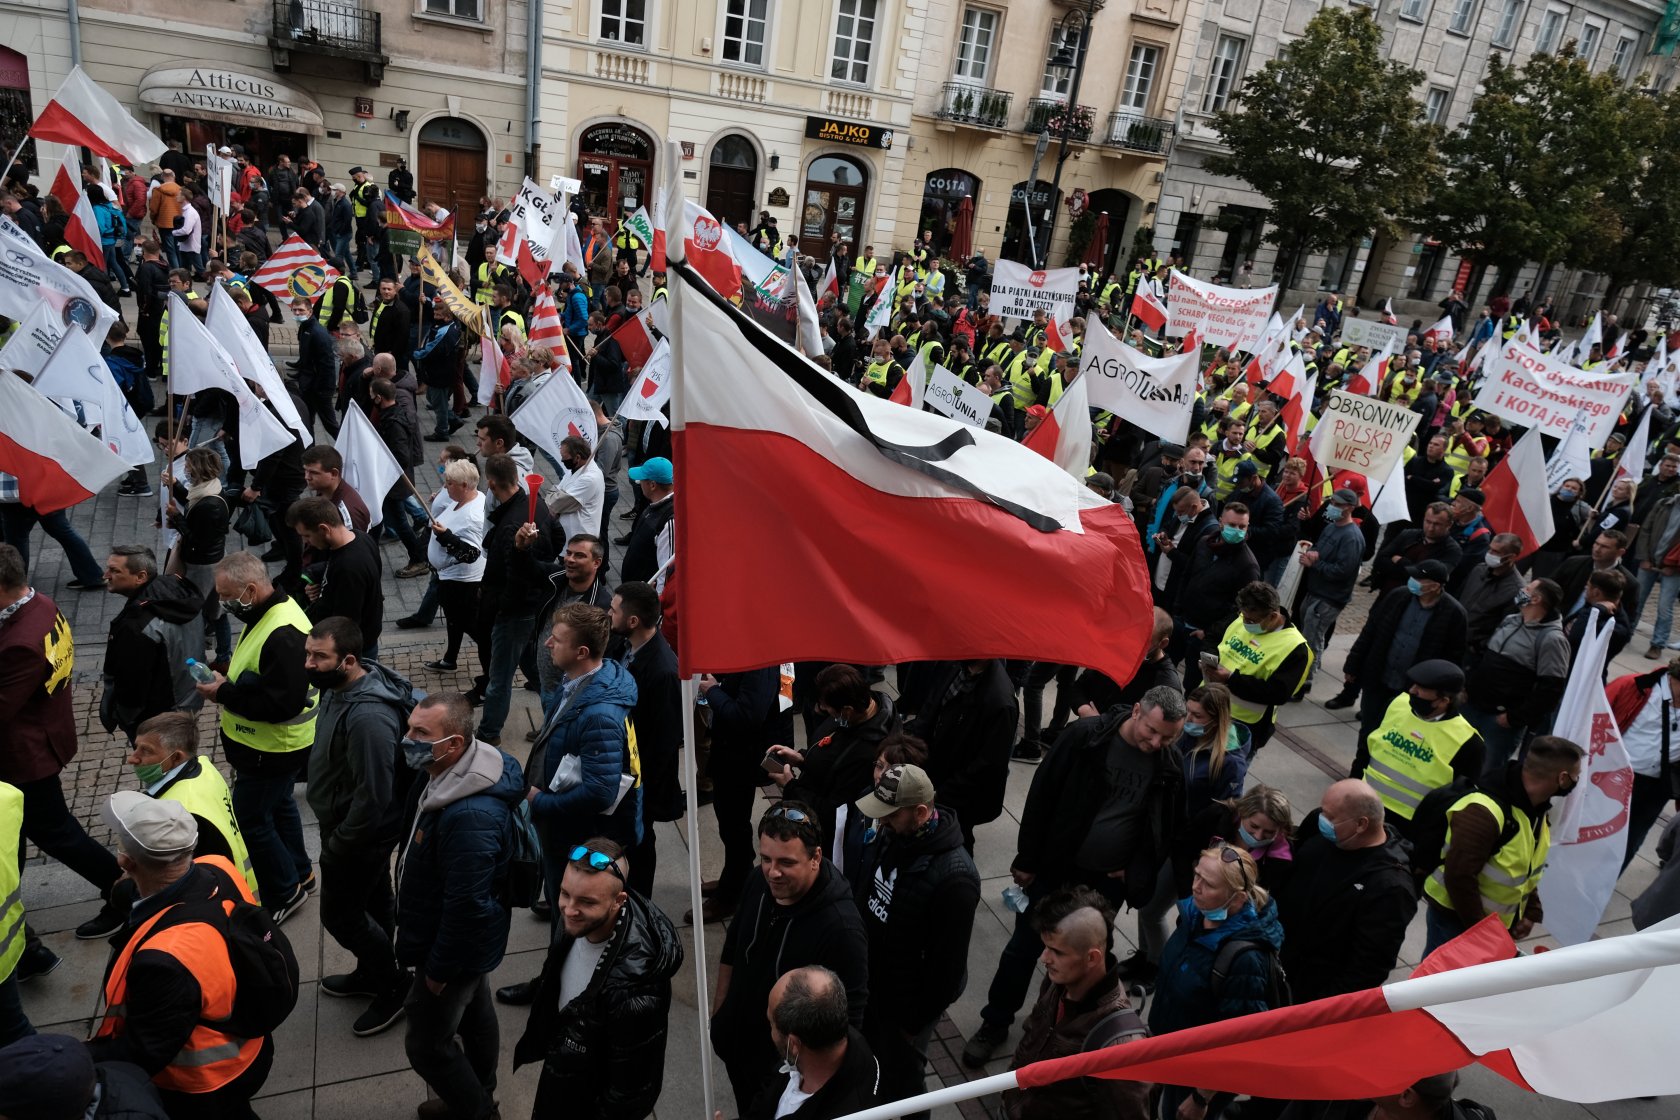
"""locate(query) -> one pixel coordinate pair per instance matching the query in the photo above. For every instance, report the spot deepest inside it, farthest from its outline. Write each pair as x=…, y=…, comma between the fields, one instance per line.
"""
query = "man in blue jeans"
x=16, y=521
x=512, y=589
x=268, y=724
x=437, y=360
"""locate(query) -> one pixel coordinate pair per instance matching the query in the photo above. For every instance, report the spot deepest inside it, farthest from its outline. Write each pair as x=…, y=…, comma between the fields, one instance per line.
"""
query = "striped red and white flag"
x=81, y=230
x=1064, y=435
x=56, y=463
x=289, y=256
x=1149, y=310
x=1518, y=500
x=545, y=323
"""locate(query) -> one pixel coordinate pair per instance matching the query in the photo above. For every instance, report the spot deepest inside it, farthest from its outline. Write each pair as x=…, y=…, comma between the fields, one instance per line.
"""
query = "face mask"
x=327, y=678
x=1414, y=586
x=1522, y=598
x=149, y=773
x=1333, y=513
x=301, y=318
x=1230, y=534
x=1565, y=791
x=1326, y=829
x=1249, y=840
x=1255, y=627
x=1195, y=730
x=418, y=753
x=240, y=609
x=1423, y=709
x=1218, y=914
x=1492, y=560
x=1567, y=496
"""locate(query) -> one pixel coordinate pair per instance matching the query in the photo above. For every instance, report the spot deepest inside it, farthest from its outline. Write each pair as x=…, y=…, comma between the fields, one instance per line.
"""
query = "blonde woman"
x=1214, y=748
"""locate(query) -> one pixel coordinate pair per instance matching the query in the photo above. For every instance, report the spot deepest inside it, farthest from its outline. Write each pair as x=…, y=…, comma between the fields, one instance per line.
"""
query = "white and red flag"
x=1517, y=498
x=1367, y=383
x=56, y=463
x=635, y=338
x=556, y=410
x=912, y=387
x=493, y=373
x=1148, y=309
x=546, y=329
x=782, y=468
x=710, y=250
x=81, y=230
x=1388, y=315
x=83, y=115
x=288, y=258
x=651, y=389
x=1442, y=331
x=1064, y=435
x=830, y=285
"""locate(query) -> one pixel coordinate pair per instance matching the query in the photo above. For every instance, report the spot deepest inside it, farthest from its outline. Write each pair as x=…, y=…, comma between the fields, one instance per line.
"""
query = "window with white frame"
x=1551, y=28
x=1140, y=77
x=1063, y=35
x=1463, y=16
x=1621, y=62
x=460, y=9
x=1222, y=77
x=624, y=21
x=1437, y=105
x=1415, y=10
x=1592, y=34
x=744, y=24
x=1510, y=22
x=854, y=40
x=975, y=43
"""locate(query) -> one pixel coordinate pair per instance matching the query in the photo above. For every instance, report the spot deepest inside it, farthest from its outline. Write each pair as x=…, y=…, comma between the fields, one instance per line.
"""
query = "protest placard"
x=1533, y=390
x=1361, y=434
x=1373, y=333
x=956, y=398
x=1219, y=315
x=1156, y=394
x=1018, y=291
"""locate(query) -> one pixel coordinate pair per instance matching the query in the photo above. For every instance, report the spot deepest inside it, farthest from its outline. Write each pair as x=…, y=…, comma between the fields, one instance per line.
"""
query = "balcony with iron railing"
x=962, y=103
x=1132, y=132
x=1048, y=114
x=336, y=28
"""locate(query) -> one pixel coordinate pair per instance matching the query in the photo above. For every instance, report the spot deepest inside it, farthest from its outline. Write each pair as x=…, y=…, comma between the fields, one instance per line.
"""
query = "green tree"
x=1330, y=134
x=1534, y=173
x=1634, y=228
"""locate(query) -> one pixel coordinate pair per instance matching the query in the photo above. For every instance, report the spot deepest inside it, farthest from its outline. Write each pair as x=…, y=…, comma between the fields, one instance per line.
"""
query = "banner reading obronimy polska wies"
x=1361, y=434
x=1220, y=315
x=1533, y=390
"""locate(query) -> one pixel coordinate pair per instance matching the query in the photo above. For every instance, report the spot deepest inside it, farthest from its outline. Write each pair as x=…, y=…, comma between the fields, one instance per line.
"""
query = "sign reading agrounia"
x=1019, y=291
x=1220, y=315
x=1534, y=390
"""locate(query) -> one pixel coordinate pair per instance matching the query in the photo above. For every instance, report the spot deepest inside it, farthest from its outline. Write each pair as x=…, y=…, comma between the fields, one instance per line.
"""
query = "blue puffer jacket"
x=592, y=728
x=1184, y=991
x=450, y=918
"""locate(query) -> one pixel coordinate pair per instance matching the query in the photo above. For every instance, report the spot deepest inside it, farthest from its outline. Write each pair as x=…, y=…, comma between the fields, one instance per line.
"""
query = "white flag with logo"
x=1589, y=831
x=1156, y=394
x=1571, y=458
x=557, y=410
x=198, y=362
x=77, y=372
x=33, y=342
x=227, y=325
x=651, y=389
x=369, y=467
x=880, y=315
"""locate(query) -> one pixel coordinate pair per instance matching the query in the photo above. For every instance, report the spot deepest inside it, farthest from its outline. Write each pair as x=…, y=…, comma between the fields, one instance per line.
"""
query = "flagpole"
x=16, y=152
x=702, y=980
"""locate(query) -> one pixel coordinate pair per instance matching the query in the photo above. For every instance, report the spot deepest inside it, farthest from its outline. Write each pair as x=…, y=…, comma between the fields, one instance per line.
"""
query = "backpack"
x=522, y=883
x=265, y=969
x=1277, y=984
x=1428, y=832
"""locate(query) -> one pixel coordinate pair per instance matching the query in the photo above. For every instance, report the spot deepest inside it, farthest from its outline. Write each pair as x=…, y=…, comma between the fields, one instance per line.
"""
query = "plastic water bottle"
x=1015, y=898
x=199, y=671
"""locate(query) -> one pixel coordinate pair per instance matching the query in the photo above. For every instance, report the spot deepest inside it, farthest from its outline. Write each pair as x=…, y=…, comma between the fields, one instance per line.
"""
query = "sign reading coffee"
x=848, y=132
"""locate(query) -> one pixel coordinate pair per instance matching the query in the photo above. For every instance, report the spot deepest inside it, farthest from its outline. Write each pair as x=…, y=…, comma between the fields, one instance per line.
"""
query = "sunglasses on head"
x=1230, y=854
x=595, y=861
x=797, y=816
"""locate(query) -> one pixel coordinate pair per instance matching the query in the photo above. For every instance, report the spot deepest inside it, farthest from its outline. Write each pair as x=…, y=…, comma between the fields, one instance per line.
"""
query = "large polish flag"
x=1517, y=498
x=792, y=485
x=83, y=115
x=56, y=463
x=1583, y=1023
x=1064, y=435
x=1148, y=309
x=81, y=231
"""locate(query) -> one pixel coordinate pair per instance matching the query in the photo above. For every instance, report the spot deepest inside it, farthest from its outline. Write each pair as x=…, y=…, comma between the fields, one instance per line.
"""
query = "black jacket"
x=126, y=1093
x=1216, y=572
x=310, y=223
x=854, y=1087
x=641, y=554
x=766, y=940
x=1443, y=636
x=917, y=896
x=393, y=333
x=606, y=1048
x=968, y=735
x=1346, y=913
x=1411, y=547
x=1070, y=788
x=274, y=692
x=658, y=718
x=317, y=363
x=746, y=721
x=151, y=289
x=511, y=587
x=840, y=764
x=148, y=641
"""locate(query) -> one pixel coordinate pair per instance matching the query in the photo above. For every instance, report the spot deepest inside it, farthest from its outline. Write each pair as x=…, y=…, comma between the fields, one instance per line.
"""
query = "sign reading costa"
x=1361, y=434
x=1533, y=390
x=1220, y=315
x=1019, y=291
x=848, y=132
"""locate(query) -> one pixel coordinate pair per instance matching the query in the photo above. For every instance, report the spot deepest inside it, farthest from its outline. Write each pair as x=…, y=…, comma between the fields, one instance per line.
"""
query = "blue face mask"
x=1218, y=914
x=1249, y=840
x=1326, y=829
x=1567, y=496
x=1415, y=587
x=1195, y=730
x=1255, y=627
x=1230, y=534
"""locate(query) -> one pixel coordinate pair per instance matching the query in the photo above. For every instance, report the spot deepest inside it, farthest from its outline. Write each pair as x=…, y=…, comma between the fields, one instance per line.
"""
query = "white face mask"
x=1493, y=560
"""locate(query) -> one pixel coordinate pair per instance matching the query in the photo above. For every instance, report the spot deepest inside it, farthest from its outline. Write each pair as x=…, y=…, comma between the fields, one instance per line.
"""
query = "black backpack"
x=358, y=305
x=1428, y=832
x=265, y=969
x=1277, y=984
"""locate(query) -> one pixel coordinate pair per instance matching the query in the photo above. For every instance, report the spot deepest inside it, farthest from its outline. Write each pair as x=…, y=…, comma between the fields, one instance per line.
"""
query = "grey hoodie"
x=353, y=769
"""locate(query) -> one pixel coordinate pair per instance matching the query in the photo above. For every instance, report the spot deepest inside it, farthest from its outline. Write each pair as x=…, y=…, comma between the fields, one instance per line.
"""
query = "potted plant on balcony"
x=1078, y=121
x=991, y=110
x=1144, y=136
x=963, y=104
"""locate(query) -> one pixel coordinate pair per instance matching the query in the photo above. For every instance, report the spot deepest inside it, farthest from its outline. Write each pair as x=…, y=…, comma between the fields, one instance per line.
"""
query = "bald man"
x=1350, y=897
x=1081, y=1006
x=834, y=1073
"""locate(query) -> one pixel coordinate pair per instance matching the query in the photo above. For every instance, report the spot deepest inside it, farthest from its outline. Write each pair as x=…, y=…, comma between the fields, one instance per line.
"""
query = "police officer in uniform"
x=1422, y=743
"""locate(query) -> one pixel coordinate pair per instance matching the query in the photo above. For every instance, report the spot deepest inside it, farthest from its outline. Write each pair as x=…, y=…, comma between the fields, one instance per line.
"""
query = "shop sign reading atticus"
x=848, y=132
x=225, y=93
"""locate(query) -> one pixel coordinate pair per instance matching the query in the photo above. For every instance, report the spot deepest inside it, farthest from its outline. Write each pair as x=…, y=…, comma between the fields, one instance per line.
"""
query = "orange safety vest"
x=211, y=1058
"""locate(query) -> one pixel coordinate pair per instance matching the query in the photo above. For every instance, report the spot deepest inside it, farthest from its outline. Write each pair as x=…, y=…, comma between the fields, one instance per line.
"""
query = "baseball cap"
x=358, y=170
x=657, y=469
x=900, y=787
x=1473, y=495
x=45, y=1077
x=148, y=825
x=224, y=150
x=1247, y=469
x=339, y=187
x=1429, y=569
x=1437, y=673
x=1345, y=497
x=1037, y=411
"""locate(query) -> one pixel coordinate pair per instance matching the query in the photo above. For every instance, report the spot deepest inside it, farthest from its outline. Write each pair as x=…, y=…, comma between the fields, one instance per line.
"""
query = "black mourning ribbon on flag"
x=826, y=390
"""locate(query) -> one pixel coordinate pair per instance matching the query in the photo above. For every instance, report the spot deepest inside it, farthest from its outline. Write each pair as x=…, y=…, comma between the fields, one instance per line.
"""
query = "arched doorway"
x=941, y=196
x=835, y=189
x=16, y=112
x=732, y=180
x=1118, y=206
x=453, y=169
x=615, y=162
x=1016, y=247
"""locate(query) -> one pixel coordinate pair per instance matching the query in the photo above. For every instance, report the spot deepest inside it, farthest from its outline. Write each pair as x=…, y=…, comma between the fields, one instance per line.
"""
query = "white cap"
x=149, y=825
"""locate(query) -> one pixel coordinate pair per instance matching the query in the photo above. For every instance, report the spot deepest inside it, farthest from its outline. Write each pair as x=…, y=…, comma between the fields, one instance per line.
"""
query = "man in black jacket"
x=746, y=719
x=151, y=291
x=598, y=1023
x=795, y=910
x=657, y=718
x=1102, y=810
x=839, y=765
x=317, y=368
x=390, y=326
x=308, y=219
x=834, y=1070
x=648, y=546
x=345, y=581
x=510, y=592
x=149, y=641
x=968, y=723
x=1220, y=564
x=917, y=889
x=1402, y=630
x=1431, y=541
x=399, y=429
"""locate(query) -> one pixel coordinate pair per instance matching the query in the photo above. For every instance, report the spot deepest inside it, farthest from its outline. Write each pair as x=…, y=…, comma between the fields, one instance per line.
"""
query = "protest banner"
x=1360, y=434
x=1534, y=390
x=407, y=227
x=956, y=398
x=1219, y=315
x=1156, y=394
x=1373, y=333
x=1018, y=291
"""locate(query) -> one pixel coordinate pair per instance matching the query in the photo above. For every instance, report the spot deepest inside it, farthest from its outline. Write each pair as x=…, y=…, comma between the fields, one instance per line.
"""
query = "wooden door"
x=729, y=195
x=830, y=210
x=454, y=178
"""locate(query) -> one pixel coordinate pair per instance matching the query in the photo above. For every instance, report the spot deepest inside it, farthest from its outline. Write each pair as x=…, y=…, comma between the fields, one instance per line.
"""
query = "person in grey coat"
x=1331, y=569
x=1661, y=899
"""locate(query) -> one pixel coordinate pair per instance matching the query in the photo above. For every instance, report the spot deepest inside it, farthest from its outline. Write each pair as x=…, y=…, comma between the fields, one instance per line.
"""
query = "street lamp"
x=1067, y=58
